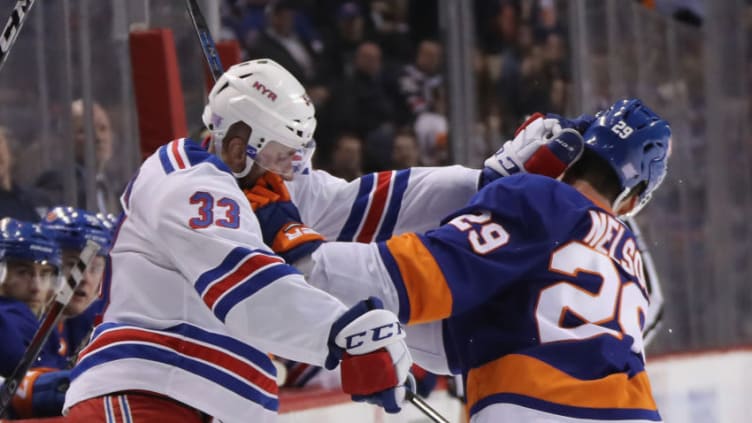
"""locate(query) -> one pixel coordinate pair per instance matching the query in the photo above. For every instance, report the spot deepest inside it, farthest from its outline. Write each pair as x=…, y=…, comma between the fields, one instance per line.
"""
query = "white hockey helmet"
x=274, y=104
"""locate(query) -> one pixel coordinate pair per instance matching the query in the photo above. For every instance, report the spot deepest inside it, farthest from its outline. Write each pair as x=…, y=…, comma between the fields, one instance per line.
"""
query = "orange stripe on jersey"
x=524, y=375
x=427, y=290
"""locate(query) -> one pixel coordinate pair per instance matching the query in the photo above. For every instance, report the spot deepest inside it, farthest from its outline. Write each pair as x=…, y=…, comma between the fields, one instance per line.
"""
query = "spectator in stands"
x=431, y=130
x=244, y=19
x=362, y=103
x=392, y=31
x=343, y=38
x=106, y=189
x=347, y=157
x=405, y=150
x=15, y=201
x=545, y=21
x=420, y=83
x=280, y=42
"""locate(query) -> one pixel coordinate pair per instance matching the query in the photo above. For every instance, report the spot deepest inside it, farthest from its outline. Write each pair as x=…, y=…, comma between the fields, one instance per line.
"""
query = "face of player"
x=280, y=159
x=88, y=289
x=29, y=282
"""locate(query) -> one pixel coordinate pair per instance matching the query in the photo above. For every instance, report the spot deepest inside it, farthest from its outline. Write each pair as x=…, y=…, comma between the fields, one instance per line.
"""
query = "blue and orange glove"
x=41, y=393
x=543, y=145
x=280, y=220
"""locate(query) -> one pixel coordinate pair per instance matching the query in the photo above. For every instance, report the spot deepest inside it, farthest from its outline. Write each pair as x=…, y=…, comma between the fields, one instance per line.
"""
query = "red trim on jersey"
x=182, y=346
x=243, y=272
x=376, y=211
x=176, y=153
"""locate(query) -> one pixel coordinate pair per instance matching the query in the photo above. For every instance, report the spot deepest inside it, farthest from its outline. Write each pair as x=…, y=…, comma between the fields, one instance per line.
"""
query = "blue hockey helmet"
x=636, y=142
x=26, y=241
x=72, y=227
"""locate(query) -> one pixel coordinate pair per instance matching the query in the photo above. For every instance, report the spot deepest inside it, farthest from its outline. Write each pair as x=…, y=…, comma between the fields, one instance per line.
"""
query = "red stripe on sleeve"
x=251, y=265
x=176, y=153
x=377, y=207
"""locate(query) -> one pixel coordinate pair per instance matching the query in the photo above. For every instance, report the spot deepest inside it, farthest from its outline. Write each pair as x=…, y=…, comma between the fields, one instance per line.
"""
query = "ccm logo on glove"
x=378, y=333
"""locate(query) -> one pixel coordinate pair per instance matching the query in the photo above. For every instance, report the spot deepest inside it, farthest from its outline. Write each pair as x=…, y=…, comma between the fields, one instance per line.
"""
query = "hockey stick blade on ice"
x=47, y=325
x=205, y=39
x=426, y=409
x=13, y=27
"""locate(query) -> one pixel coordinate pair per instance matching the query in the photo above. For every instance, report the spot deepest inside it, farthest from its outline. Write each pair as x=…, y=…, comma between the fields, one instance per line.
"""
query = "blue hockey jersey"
x=542, y=294
x=17, y=327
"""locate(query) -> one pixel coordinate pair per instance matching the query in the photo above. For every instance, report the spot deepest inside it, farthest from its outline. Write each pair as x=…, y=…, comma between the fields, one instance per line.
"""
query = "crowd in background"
x=375, y=71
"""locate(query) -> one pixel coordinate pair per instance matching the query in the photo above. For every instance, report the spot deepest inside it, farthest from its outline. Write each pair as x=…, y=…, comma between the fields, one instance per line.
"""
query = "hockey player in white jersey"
x=198, y=300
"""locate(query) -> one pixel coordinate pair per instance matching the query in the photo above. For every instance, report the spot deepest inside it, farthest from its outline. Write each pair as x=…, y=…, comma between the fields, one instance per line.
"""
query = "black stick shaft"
x=13, y=28
x=423, y=406
x=205, y=39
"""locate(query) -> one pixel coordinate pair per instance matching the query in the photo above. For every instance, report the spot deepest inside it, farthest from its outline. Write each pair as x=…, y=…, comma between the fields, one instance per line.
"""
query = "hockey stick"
x=13, y=27
x=205, y=39
x=47, y=325
x=423, y=406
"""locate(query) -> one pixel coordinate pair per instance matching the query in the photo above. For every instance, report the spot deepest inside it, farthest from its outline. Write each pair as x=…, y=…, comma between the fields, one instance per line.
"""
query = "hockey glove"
x=41, y=393
x=280, y=220
x=375, y=363
x=539, y=146
x=425, y=381
x=580, y=124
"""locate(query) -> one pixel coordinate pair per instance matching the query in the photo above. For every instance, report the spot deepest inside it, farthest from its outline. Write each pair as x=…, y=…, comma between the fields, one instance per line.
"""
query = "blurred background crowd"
x=384, y=76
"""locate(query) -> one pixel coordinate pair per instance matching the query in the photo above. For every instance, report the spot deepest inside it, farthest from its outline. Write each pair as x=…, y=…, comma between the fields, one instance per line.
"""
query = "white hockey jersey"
x=377, y=205
x=197, y=299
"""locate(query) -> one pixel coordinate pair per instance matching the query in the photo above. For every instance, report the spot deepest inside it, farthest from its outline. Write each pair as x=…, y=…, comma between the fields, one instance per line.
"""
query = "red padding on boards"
x=159, y=96
x=229, y=54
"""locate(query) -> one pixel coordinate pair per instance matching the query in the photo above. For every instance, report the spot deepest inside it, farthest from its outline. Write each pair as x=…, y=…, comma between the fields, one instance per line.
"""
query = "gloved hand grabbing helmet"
x=542, y=145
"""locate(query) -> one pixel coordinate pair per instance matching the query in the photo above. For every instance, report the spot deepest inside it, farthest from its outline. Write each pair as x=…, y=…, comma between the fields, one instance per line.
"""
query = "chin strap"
x=246, y=170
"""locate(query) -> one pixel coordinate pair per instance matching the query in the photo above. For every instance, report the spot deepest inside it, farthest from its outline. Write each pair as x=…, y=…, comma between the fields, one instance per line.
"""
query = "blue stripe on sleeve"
x=249, y=287
x=166, y=165
x=395, y=204
x=358, y=211
x=231, y=260
x=399, y=284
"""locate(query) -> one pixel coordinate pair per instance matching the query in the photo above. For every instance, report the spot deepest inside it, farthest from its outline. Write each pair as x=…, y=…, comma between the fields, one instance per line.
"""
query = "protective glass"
x=280, y=159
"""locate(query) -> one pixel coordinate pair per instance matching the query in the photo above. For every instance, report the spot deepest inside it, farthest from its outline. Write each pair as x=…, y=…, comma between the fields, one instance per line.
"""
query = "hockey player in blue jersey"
x=29, y=266
x=42, y=392
x=540, y=286
x=72, y=228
